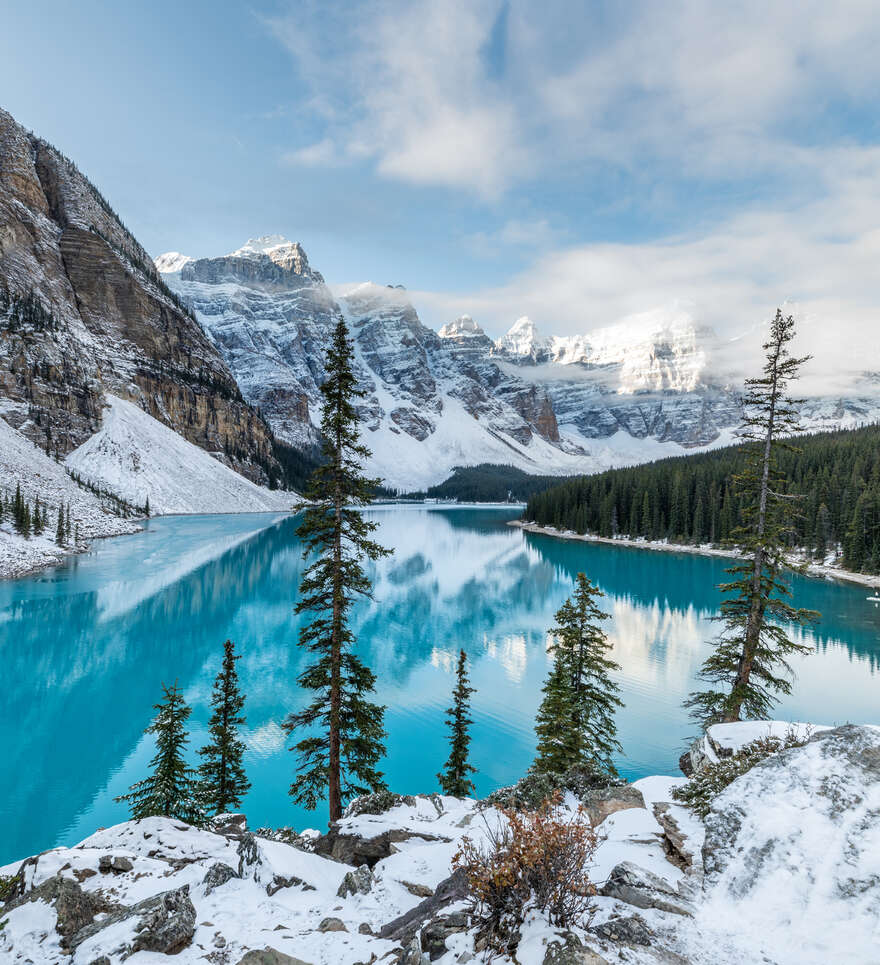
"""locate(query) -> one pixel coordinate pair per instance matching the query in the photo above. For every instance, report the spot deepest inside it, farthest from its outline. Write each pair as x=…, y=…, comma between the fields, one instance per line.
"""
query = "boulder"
x=332, y=924
x=356, y=850
x=356, y=882
x=75, y=909
x=405, y=927
x=420, y=891
x=636, y=886
x=435, y=933
x=631, y=930
x=570, y=950
x=217, y=875
x=268, y=956
x=229, y=825
x=164, y=923
x=602, y=802
x=121, y=864
x=290, y=881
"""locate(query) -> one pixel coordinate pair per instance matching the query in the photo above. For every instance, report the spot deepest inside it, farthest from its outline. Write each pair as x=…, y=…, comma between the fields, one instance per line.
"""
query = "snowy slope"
x=23, y=464
x=138, y=457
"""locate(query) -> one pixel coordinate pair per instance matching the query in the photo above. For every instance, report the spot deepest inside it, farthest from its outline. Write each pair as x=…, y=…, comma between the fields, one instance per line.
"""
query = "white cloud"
x=713, y=89
x=748, y=112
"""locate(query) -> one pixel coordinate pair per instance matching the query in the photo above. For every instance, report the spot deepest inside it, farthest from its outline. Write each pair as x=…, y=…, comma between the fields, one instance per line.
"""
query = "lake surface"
x=85, y=647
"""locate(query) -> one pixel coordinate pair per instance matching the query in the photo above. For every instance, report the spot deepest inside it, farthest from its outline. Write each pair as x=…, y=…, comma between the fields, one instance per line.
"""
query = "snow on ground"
x=790, y=876
x=23, y=464
x=138, y=457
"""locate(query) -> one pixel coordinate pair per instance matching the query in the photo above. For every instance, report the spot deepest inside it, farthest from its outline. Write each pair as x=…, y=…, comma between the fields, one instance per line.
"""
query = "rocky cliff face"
x=430, y=402
x=83, y=310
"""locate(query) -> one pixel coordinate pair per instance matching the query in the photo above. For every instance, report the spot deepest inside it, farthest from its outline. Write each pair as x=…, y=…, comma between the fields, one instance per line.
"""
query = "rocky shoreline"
x=815, y=570
x=380, y=885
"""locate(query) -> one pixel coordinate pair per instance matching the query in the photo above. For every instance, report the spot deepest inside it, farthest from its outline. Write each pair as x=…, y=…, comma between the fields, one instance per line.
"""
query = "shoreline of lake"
x=814, y=570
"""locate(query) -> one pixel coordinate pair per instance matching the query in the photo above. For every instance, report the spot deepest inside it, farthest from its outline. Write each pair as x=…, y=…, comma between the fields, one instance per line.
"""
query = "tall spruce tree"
x=341, y=751
x=575, y=723
x=170, y=790
x=749, y=666
x=222, y=780
x=454, y=777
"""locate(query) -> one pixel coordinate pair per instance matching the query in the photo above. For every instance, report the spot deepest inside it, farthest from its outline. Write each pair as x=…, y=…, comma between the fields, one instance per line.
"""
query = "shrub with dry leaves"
x=533, y=859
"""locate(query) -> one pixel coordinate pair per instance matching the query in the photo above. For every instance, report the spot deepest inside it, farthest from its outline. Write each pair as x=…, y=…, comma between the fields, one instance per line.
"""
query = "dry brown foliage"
x=533, y=859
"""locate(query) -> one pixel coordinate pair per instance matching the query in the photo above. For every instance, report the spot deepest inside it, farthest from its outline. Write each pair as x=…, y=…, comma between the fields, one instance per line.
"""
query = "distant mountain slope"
x=83, y=310
x=139, y=458
x=646, y=388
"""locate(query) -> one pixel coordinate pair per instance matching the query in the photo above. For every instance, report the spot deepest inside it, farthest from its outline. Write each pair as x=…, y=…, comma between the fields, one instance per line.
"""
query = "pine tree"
x=749, y=664
x=59, y=531
x=575, y=724
x=147, y=507
x=68, y=527
x=557, y=744
x=222, y=781
x=342, y=758
x=170, y=790
x=454, y=778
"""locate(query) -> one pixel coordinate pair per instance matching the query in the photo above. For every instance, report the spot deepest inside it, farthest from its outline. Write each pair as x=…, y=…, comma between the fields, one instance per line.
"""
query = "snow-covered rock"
x=790, y=877
x=139, y=458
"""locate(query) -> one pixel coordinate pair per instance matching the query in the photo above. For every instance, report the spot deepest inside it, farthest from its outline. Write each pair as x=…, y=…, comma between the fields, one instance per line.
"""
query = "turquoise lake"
x=86, y=646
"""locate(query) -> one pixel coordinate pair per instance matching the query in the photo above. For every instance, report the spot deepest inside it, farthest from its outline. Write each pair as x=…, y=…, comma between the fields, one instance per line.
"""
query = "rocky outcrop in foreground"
x=785, y=860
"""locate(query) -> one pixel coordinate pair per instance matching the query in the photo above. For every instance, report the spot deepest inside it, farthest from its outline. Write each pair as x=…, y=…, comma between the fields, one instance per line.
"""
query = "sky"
x=575, y=162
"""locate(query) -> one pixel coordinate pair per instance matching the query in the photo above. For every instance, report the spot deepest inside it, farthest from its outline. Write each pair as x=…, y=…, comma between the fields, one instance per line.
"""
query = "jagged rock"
x=75, y=908
x=229, y=825
x=632, y=930
x=435, y=933
x=280, y=881
x=604, y=801
x=217, y=875
x=268, y=956
x=420, y=891
x=365, y=928
x=637, y=886
x=249, y=858
x=570, y=950
x=413, y=955
x=164, y=923
x=121, y=864
x=673, y=839
x=356, y=882
x=356, y=850
x=332, y=924
x=403, y=928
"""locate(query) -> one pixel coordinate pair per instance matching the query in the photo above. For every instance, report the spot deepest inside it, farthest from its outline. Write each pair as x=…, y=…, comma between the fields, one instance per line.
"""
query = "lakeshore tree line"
x=339, y=736
x=693, y=499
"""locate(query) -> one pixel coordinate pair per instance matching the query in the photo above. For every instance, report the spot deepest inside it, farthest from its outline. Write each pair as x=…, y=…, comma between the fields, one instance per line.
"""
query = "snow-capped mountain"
x=649, y=387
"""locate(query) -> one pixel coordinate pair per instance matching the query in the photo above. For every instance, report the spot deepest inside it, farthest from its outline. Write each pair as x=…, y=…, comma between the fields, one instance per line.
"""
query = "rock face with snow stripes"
x=431, y=403
x=433, y=400
x=84, y=310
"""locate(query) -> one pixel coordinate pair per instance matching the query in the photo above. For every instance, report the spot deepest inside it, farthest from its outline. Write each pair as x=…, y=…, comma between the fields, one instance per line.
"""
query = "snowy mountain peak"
x=171, y=261
x=462, y=327
x=523, y=339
